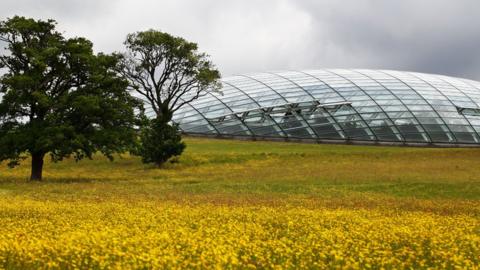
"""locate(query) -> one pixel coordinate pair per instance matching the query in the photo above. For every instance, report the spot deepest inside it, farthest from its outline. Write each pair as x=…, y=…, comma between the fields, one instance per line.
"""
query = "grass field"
x=232, y=204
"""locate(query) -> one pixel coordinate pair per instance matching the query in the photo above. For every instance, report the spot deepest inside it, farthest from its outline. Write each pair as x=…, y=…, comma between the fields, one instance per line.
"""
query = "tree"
x=58, y=97
x=168, y=72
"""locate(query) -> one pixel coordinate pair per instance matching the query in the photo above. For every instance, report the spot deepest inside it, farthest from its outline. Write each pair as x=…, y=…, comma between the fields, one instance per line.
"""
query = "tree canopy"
x=59, y=97
x=167, y=71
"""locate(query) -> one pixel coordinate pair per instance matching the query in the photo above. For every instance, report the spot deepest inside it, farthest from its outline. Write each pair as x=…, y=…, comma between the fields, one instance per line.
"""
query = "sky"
x=246, y=36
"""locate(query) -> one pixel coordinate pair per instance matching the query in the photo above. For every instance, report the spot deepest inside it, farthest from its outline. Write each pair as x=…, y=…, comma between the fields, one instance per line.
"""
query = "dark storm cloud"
x=434, y=36
x=423, y=35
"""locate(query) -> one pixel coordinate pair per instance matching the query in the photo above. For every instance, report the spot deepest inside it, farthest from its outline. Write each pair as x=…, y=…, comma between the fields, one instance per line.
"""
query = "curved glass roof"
x=340, y=104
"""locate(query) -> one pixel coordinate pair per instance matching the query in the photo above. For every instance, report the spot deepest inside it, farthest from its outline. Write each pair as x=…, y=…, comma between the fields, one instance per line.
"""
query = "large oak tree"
x=58, y=97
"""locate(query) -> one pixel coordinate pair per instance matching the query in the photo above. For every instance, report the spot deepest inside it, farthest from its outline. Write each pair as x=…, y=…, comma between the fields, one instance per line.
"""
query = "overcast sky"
x=244, y=36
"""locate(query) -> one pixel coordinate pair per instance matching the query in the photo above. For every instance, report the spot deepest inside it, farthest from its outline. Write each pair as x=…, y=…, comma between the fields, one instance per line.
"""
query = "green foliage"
x=59, y=97
x=167, y=71
x=159, y=142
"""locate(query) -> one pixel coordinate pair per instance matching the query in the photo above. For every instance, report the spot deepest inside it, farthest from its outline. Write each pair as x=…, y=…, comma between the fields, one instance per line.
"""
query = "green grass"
x=235, y=170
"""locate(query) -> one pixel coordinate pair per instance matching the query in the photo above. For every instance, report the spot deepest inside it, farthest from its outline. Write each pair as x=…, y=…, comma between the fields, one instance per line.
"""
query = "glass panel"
x=441, y=137
x=435, y=128
x=327, y=131
x=271, y=131
x=385, y=132
x=461, y=128
x=288, y=120
x=197, y=129
x=299, y=133
x=469, y=111
x=225, y=129
x=408, y=126
x=356, y=129
x=466, y=137
x=415, y=137
x=388, y=137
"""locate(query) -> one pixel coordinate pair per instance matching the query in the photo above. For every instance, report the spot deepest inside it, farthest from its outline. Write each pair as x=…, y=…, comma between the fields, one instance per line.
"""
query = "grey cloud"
x=430, y=35
x=73, y=10
x=436, y=36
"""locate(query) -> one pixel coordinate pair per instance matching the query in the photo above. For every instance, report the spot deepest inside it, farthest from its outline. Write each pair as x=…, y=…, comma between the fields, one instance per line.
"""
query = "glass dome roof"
x=339, y=105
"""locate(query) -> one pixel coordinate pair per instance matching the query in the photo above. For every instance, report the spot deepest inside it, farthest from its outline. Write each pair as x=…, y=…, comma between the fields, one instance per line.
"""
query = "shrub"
x=159, y=142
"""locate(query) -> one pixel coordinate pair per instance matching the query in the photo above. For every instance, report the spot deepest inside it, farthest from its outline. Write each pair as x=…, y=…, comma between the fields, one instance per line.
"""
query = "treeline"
x=60, y=98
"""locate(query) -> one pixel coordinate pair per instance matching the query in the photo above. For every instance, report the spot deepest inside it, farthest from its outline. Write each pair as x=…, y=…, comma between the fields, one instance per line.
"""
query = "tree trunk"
x=37, y=166
x=165, y=115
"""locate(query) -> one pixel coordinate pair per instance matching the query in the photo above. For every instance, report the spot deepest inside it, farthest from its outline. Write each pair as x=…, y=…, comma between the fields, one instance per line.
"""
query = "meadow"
x=248, y=205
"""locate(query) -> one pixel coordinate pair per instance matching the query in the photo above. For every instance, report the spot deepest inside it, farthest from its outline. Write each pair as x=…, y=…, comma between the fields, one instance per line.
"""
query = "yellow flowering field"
x=170, y=235
x=248, y=205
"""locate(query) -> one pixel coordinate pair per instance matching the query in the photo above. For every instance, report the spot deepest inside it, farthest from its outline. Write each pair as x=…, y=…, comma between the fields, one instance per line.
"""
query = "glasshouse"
x=339, y=105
